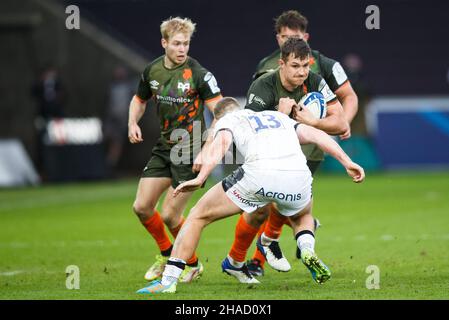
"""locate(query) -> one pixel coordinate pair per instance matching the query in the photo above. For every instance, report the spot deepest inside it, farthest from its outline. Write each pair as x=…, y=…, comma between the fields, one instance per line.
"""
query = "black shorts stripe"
x=233, y=178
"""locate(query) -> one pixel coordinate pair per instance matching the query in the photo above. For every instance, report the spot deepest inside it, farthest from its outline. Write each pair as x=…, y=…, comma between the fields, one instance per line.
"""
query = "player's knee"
x=170, y=220
x=258, y=218
x=142, y=210
x=202, y=215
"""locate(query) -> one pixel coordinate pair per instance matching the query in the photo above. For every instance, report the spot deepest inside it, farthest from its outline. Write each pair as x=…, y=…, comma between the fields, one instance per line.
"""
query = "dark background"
x=408, y=55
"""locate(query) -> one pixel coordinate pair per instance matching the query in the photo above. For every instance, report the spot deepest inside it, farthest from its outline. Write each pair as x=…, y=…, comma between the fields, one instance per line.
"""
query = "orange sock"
x=273, y=226
x=244, y=236
x=174, y=233
x=155, y=226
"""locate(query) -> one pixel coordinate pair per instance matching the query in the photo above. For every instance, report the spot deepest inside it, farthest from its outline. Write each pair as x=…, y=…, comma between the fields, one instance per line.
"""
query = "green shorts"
x=313, y=165
x=160, y=166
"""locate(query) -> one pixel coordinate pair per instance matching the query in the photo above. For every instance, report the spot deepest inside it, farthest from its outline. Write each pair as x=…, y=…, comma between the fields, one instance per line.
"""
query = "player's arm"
x=210, y=104
x=334, y=123
x=349, y=100
x=210, y=92
x=211, y=158
x=307, y=134
x=338, y=82
x=137, y=108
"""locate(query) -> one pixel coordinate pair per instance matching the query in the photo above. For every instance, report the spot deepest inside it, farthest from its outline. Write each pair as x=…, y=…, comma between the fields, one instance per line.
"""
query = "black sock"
x=300, y=233
x=177, y=264
x=194, y=264
x=167, y=253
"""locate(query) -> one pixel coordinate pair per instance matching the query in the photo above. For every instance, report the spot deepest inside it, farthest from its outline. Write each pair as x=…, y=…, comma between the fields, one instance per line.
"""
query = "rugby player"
x=293, y=24
x=180, y=87
x=285, y=180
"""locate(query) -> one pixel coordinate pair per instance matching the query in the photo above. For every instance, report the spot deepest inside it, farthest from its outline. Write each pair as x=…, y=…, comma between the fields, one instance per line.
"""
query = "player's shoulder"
x=266, y=79
x=267, y=64
x=198, y=71
x=267, y=59
x=153, y=64
x=194, y=64
x=325, y=62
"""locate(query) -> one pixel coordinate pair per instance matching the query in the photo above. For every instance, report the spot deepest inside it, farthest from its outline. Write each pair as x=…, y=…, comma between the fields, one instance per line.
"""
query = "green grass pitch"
x=398, y=222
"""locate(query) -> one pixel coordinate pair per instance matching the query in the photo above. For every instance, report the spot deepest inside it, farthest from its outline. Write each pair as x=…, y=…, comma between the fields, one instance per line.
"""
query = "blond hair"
x=225, y=105
x=175, y=25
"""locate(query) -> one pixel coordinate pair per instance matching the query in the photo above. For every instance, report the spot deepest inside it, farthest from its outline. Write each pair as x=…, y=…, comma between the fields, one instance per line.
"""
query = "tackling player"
x=280, y=89
x=293, y=24
x=262, y=179
x=180, y=87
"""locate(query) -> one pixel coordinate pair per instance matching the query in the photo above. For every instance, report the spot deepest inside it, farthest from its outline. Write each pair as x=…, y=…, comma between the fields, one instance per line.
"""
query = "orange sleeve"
x=214, y=99
x=140, y=99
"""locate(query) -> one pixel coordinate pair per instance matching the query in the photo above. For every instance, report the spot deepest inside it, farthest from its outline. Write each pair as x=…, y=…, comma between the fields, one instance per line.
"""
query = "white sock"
x=172, y=272
x=236, y=264
x=266, y=240
x=306, y=242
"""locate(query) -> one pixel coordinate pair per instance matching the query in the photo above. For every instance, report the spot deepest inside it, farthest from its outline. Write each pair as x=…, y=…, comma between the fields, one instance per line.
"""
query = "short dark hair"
x=291, y=19
x=297, y=46
x=225, y=105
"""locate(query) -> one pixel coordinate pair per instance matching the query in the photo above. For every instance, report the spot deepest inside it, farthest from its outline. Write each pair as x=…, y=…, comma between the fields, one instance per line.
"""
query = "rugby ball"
x=315, y=103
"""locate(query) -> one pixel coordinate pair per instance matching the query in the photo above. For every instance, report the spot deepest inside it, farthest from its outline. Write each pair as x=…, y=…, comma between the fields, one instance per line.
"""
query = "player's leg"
x=273, y=229
x=257, y=261
x=214, y=205
x=303, y=225
x=246, y=230
x=172, y=214
x=268, y=246
x=173, y=209
x=148, y=192
x=313, y=167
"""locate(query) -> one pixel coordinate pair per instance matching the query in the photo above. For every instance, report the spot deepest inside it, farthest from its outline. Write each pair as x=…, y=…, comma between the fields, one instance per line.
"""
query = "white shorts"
x=251, y=189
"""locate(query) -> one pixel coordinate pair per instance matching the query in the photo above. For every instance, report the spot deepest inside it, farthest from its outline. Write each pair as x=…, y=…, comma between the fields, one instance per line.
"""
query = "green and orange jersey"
x=329, y=69
x=179, y=94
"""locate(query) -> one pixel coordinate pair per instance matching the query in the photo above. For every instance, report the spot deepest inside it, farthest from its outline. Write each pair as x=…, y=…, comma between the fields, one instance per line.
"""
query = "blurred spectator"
x=116, y=124
x=49, y=93
x=353, y=66
x=50, y=96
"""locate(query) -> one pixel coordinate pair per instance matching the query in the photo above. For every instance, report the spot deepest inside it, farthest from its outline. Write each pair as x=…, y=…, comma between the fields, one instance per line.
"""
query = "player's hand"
x=302, y=115
x=346, y=135
x=188, y=186
x=134, y=133
x=285, y=105
x=356, y=172
x=197, y=163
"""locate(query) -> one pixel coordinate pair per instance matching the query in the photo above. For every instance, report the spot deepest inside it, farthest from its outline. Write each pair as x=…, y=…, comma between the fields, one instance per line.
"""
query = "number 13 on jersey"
x=264, y=121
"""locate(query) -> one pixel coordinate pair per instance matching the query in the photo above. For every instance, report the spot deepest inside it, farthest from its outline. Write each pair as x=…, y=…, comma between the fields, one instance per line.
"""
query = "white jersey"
x=266, y=139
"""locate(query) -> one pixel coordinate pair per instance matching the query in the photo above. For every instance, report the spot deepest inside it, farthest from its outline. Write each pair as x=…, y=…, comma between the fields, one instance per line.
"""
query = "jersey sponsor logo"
x=154, y=84
x=243, y=200
x=212, y=82
x=173, y=99
x=339, y=73
x=279, y=195
x=326, y=91
x=256, y=99
x=184, y=86
x=187, y=74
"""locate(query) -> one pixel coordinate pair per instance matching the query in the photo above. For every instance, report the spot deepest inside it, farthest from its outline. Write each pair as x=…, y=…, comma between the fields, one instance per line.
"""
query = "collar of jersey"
x=180, y=66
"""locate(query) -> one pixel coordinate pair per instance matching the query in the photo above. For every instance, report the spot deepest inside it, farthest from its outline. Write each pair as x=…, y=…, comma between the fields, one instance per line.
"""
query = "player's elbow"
x=342, y=126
